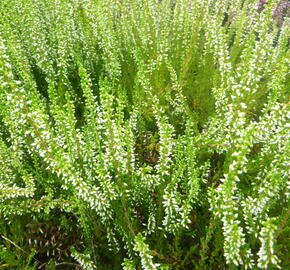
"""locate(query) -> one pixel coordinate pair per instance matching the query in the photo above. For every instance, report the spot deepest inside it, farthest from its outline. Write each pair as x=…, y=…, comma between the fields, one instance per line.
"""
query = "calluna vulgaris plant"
x=144, y=134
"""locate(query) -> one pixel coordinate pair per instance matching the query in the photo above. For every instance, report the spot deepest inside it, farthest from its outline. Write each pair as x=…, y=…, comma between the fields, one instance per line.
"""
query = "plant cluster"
x=144, y=134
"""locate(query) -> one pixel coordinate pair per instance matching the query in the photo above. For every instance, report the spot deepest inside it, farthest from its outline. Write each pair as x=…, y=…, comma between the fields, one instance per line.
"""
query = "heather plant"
x=144, y=134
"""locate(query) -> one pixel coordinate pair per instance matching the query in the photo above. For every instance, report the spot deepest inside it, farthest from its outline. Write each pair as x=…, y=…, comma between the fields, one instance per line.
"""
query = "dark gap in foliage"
x=53, y=236
x=40, y=79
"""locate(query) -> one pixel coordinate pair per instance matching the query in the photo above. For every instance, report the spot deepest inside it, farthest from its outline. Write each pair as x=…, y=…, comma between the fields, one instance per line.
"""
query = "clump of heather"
x=281, y=11
x=261, y=4
x=144, y=134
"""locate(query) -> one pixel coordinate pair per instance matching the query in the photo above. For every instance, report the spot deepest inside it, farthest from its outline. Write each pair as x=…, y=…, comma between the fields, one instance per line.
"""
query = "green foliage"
x=144, y=134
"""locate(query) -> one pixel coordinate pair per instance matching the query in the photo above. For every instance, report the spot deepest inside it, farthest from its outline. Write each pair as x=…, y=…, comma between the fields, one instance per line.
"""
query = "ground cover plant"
x=144, y=134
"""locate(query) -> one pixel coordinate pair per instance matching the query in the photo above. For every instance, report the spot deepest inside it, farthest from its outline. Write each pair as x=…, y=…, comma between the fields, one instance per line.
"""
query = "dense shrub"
x=144, y=134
